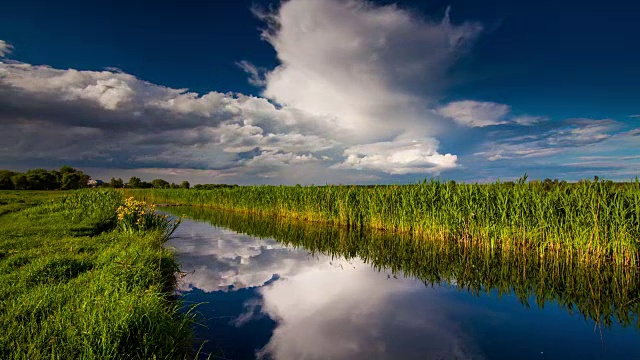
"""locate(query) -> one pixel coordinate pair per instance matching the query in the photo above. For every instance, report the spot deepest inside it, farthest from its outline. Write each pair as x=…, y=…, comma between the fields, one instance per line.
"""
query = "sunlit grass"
x=73, y=286
x=597, y=221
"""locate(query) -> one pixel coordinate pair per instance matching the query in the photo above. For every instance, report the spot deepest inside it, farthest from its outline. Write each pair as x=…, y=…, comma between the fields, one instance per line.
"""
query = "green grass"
x=74, y=287
x=11, y=200
x=596, y=221
x=602, y=294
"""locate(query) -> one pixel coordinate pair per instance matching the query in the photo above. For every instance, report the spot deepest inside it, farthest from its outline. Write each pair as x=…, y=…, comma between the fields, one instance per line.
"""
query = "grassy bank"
x=76, y=283
x=595, y=220
x=605, y=295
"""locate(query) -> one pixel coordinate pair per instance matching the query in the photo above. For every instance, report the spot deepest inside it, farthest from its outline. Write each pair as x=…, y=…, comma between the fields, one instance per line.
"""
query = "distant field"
x=75, y=285
x=594, y=220
x=11, y=200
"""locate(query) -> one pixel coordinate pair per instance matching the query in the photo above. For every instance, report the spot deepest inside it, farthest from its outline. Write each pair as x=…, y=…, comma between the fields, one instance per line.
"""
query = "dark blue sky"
x=567, y=58
x=553, y=60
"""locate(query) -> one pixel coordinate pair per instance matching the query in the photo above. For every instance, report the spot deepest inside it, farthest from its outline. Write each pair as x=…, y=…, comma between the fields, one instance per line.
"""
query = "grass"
x=597, y=221
x=602, y=294
x=73, y=286
x=11, y=201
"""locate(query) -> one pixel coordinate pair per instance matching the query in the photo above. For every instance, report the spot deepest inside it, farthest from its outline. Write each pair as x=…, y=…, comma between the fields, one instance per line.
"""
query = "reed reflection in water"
x=327, y=298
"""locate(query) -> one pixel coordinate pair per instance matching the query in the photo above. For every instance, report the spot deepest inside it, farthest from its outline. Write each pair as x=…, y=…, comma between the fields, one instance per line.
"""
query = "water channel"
x=285, y=290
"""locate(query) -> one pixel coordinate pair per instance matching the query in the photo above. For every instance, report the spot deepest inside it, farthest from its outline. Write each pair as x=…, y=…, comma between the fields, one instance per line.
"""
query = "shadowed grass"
x=73, y=287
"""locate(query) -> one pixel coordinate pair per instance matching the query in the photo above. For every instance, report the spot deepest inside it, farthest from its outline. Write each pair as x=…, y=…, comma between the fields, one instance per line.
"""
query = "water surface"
x=285, y=290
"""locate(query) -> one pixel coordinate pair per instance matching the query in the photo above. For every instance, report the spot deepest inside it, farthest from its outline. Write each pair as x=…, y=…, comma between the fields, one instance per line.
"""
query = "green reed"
x=602, y=294
x=596, y=220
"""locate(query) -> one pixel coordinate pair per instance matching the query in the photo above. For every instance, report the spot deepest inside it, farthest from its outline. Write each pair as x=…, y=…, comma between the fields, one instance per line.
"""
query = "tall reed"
x=596, y=220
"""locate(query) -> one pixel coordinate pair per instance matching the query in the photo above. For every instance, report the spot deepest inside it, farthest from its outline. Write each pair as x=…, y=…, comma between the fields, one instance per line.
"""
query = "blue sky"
x=322, y=91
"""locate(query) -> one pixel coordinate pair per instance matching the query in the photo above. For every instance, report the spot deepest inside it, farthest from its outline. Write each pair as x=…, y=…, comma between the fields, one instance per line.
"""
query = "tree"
x=41, y=179
x=20, y=182
x=116, y=183
x=5, y=180
x=185, y=185
x=70, y=178
x=159, y=184
x=135, y=182
x=66, y=169
x=70, y=181
x=84, y=179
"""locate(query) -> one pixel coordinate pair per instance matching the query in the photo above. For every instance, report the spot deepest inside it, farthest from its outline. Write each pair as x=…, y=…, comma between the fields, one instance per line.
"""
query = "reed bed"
x=603, y=294
x=596, y=221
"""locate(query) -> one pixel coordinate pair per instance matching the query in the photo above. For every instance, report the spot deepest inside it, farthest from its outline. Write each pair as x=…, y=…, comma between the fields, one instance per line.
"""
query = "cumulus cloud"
x=273, y=159
x=116, y=119
x=5, y=48
x=373, y=68
x=358, y=61
x=355, y=78
x=401, y=156
x=354, y=99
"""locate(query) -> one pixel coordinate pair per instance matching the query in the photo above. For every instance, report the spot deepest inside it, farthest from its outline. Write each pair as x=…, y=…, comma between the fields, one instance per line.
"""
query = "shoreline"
x=603, y=229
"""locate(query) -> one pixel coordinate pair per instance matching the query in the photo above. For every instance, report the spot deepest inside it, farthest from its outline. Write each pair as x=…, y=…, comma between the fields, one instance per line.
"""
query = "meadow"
x=594, y=221
x=84, y=275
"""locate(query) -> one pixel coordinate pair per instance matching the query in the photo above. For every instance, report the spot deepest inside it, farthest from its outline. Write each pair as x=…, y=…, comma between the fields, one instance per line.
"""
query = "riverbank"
x=76, y=283
x=595, y=221
x=606, y=295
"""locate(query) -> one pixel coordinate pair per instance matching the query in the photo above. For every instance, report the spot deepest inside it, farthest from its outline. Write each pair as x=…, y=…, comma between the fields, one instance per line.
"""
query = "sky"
x=321, y=91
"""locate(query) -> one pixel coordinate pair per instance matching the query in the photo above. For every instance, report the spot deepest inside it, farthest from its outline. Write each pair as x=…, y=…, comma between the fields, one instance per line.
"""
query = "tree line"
x=67, y=178
x=137, y=183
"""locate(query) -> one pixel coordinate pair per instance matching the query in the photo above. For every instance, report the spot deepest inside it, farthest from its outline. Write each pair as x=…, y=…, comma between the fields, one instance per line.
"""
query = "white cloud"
x=355, y=312
x=367, y=78
x=109, y=93
x=273, y=159
x=401, y=156
x=130, y=122
x=569, y=135
x=475, y=113
x=217, y=259
x=243, y=138
x=353, y=99
x=106, y=88
x=256, y=75
x=5, y=48
x=528, y=120
x=372, y=67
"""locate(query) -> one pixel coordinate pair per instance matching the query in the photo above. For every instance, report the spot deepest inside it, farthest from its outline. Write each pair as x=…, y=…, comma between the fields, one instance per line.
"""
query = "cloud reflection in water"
x=324, y=308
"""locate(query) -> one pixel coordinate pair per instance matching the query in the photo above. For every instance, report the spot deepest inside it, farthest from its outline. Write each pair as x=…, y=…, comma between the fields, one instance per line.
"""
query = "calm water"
x=290, y=291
